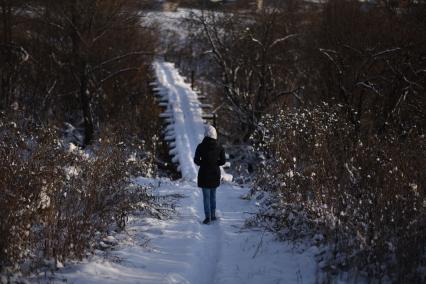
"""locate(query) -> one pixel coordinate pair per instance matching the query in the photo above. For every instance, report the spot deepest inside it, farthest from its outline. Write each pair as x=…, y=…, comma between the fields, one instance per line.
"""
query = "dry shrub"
x=55, y=204
x=362, y=196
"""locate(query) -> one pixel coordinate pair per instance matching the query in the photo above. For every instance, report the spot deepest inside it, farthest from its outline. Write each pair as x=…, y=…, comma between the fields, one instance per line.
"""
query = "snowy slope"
x=182, y=250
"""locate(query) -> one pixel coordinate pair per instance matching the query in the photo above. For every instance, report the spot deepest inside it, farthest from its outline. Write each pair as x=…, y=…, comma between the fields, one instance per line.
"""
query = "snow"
x=182, y=250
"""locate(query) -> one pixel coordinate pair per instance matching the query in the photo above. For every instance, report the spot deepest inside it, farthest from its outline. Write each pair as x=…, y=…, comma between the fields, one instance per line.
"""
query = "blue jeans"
x=209, y=200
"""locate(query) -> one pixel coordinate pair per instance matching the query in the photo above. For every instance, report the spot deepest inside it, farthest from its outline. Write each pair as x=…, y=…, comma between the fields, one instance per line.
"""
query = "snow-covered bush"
x=362, y=196
x=56, y=201
x=242, y=162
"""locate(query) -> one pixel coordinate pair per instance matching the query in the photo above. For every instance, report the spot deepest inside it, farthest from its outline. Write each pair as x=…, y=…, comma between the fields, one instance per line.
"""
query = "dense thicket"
x=335, y=96
x=368, y=57
x=57, y=203
x=345, y=167
x=361, y=196
x=372, y=60
x=81, y=62
x=73, y=74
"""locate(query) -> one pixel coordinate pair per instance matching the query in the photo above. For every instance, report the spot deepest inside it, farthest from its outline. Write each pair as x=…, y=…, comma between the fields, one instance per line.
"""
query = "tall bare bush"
x=363, y=196
x=56, y=204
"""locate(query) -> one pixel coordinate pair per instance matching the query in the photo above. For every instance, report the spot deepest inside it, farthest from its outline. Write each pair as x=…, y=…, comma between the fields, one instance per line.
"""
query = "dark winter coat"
x=209, y=156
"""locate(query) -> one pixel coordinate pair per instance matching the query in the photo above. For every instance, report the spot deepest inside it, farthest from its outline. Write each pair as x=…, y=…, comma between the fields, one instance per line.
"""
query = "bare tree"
x=87, y=45
x=370, y=60
x=255, y=56
x=12, y=54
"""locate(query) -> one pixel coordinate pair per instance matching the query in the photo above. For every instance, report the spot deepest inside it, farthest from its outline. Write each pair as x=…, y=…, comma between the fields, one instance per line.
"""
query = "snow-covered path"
x=182, y=250
x=185, y=114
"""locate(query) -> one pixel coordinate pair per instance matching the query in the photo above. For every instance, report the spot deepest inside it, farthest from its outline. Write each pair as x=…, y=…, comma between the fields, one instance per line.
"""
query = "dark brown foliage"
x=371, y=59
x=74, y=60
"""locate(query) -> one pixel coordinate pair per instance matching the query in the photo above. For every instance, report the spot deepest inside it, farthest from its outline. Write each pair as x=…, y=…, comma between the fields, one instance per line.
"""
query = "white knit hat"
x=210, y=131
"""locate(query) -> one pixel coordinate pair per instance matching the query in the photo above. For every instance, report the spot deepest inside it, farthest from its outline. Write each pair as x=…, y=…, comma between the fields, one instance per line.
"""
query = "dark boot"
x=206, y=221
x=214, y=218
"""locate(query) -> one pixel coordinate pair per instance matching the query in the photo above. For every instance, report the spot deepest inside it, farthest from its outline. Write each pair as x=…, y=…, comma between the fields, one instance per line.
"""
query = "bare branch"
x=280, y=40
x=134, y=53
x=116, y=73
x=327, y=52
x=388, y=51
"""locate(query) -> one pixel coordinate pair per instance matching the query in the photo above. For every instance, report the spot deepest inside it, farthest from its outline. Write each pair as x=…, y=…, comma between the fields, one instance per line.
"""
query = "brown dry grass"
x=56, y=204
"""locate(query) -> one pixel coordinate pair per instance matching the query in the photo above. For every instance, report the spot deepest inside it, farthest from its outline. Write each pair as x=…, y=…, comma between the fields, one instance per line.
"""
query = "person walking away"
x=209, y=155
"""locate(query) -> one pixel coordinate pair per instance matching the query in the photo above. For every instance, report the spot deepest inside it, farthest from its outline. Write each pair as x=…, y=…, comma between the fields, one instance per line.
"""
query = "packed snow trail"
x=186, y=118
x=181, y=249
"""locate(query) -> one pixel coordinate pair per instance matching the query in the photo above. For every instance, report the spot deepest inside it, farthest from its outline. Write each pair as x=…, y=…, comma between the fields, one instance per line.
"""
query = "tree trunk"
x=85, y=105
x=80, y=65
x=6, y=13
